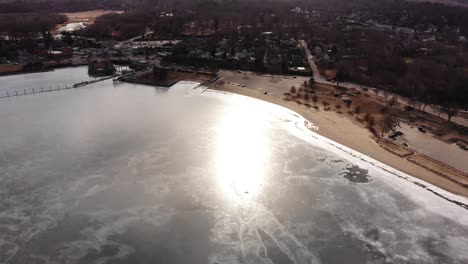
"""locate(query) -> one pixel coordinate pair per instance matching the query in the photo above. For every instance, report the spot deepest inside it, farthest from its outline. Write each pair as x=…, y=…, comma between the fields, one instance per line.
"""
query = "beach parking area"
x=275, y=85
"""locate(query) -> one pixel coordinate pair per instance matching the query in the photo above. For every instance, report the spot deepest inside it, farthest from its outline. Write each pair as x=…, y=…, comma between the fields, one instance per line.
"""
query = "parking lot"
x=272, y=84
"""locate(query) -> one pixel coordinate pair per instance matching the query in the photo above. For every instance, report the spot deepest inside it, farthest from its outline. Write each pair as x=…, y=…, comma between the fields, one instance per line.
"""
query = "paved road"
x=402, y=100
x=129, y=42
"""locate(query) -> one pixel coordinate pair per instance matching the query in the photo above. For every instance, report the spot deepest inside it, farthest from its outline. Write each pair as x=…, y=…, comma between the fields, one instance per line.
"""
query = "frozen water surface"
x=137, y=174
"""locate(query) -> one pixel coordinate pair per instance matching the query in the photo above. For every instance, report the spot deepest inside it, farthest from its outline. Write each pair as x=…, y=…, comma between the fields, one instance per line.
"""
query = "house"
x=244, y=56
x=60, y=53
x=273, y=60
x=100, y=67
x=160, y=73
x=139, y=65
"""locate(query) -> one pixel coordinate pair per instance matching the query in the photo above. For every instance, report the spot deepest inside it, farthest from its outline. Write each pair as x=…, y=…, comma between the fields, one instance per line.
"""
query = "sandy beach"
x=344, y=131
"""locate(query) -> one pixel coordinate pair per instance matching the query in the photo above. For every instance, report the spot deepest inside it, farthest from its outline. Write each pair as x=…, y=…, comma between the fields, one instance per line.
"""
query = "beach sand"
x=344, y=131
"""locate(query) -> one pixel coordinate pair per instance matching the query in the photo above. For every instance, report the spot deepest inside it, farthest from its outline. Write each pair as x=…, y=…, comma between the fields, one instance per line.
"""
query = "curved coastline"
x=121, y=183
x=302, y=131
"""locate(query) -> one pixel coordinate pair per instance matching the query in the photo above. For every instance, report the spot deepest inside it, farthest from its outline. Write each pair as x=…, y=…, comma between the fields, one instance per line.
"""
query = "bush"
x=409, y=108
x=383, y=110
x=357, y=110
x=367, y=117
x=315, y=99
x=393, y=101
x=370, y=121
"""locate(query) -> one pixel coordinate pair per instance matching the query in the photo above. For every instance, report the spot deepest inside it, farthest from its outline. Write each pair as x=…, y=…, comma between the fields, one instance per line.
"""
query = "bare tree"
x=312, y=82
x=315, y=99
x=370, y=121
x=343, y=72
x=414, y=103
x=367, y=117
x=383, y=110
x=293, y=89
x=357, y=110
x=393, y=101
x=348, y=103
x=450, y=111
x=389, y=123
x=385, y=94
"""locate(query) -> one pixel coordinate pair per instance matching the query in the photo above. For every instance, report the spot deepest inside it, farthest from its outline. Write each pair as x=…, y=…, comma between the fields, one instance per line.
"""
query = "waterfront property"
x=100, y=67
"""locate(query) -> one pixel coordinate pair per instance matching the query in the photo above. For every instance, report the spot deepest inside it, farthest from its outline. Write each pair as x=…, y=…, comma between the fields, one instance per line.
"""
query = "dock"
x=31, y=91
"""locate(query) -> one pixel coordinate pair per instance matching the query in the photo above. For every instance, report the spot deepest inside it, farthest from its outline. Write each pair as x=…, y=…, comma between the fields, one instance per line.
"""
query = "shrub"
x=293, y=89
x=357, y=110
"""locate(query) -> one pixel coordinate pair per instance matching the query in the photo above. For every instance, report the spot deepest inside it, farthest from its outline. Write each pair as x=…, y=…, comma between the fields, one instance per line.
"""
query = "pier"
x=31, y=91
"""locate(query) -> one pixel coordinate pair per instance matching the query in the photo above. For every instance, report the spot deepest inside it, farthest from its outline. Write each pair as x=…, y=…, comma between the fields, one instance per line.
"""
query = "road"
x=129, y=42
x=402, y=100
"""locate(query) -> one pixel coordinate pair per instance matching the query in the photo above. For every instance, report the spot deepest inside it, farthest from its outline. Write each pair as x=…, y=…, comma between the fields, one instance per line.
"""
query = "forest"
x=434, y=72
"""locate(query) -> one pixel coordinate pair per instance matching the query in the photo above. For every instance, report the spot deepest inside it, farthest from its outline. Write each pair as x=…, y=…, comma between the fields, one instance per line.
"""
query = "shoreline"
x=47, y=68
x=305, y=133
x=171, y=77
x=342, y=131
x=345, y=132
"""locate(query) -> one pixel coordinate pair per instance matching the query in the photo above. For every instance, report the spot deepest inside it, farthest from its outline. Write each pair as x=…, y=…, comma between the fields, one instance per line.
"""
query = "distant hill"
x=463, y=3
x=27, y=6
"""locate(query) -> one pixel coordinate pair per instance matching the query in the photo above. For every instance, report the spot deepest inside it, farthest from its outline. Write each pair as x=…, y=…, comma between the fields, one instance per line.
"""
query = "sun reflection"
x=241, y=154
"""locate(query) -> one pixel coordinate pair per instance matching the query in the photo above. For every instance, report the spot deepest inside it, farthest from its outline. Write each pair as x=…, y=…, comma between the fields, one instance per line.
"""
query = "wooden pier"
x=23, y=92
